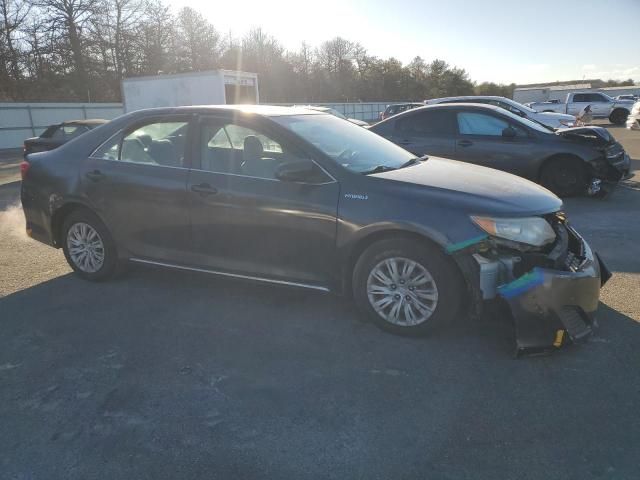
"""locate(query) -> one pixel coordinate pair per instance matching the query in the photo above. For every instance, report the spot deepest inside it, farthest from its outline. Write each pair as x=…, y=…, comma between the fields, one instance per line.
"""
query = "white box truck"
x=214, y=87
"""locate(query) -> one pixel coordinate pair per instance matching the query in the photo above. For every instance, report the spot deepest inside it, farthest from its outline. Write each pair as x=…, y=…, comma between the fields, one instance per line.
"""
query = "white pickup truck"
x=602, y=106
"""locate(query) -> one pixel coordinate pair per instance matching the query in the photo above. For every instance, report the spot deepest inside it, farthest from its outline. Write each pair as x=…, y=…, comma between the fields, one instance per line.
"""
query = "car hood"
x=557, y=116
x=590, y=135
x=478, y=189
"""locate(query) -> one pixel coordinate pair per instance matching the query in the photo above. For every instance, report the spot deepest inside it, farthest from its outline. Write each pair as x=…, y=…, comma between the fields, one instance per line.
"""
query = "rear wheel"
x=406, y=287
x=565, y=177
x=618, y=116
x=88, y=246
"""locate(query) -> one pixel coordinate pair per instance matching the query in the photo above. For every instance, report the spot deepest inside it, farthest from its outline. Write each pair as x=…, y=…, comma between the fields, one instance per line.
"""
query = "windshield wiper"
x=379, y=169
x=413, y=161
x=386, y=168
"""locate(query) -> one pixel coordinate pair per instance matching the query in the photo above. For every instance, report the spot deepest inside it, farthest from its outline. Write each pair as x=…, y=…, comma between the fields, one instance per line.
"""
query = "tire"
x=565, y=177
x=618, y=116
x=444, y=287
x=83, y=230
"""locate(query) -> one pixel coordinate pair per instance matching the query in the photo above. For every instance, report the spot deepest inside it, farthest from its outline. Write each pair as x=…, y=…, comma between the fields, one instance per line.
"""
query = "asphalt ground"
x=175, y=375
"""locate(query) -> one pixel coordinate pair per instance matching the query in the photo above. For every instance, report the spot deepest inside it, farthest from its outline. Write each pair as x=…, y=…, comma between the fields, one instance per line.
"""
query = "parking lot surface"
x=163, y=374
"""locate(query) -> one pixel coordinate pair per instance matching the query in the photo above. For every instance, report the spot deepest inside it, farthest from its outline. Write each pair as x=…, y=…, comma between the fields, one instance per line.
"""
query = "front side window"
x=437, y=122
x=473, y=123
x=597, y=98
x=230, y=148
x=159, y=143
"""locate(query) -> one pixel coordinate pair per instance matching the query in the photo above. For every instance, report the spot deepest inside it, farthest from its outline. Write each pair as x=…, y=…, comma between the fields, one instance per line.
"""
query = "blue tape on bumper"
x=522, y=284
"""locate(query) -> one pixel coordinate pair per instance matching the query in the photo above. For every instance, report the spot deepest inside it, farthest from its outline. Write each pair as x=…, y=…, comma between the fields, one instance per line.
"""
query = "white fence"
x=23, y=120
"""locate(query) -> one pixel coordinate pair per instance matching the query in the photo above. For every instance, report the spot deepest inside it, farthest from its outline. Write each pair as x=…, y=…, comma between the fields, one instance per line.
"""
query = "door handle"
x=94, y=175
x=465, y=143
x=405, y=142
x=204, y=189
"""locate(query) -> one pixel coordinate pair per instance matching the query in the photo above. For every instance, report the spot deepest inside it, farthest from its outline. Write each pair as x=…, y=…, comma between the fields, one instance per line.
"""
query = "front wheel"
x=89, y=247
x=406, y=287
x=565, y=177
x=618, y=116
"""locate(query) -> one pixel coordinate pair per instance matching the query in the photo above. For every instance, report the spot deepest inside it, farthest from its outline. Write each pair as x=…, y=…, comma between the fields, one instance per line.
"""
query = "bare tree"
x=72, y=16
x=14, y=14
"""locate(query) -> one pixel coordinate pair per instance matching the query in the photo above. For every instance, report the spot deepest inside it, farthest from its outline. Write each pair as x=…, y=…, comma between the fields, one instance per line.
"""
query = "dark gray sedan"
x=302, y=198
x=571, y=161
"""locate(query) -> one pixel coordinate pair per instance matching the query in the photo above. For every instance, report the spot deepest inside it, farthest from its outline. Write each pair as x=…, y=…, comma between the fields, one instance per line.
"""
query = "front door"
x=247, y=221
x=482, y=140
x=137, y=182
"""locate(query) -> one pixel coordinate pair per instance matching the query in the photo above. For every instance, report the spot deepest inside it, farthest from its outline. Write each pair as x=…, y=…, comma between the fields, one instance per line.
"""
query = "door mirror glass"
x=509, y=132
x=297, y=171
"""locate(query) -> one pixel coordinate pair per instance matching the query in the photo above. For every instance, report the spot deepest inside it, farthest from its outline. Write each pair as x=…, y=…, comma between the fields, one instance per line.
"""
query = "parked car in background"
x=570, y=161
x=394, y=109
x=602, y=106
x=550, y=119
x=301, y=198
x=335, y=113
x=633, y=120
x=628, y=97
x=56, y=135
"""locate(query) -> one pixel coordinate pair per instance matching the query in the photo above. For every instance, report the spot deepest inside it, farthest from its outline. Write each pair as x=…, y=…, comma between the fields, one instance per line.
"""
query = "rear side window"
x=581, y=97
x=474, y=123
x=71, y=131
x=436, y=122
x=158, y=143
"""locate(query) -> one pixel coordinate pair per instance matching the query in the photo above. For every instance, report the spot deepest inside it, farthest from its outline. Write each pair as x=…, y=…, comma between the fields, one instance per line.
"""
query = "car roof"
x=264, y=110
x=443, y=106
x=85, y=121
x=471, y=97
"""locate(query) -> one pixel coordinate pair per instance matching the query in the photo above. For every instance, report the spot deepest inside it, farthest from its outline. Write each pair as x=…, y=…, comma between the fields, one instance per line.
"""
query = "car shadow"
x=182, y=369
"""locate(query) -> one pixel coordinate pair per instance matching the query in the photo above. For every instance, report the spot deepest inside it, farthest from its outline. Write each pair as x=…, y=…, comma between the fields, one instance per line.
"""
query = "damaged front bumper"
x=552, y=296
x=607, y=172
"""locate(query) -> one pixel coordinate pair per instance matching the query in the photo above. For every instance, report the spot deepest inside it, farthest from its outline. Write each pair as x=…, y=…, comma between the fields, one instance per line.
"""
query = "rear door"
x=137, y=182
x=245, y=220
x=481, y=140
x=426, y=132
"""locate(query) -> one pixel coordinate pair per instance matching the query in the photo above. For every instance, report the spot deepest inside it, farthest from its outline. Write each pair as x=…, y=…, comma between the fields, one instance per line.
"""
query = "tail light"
x=24, y=168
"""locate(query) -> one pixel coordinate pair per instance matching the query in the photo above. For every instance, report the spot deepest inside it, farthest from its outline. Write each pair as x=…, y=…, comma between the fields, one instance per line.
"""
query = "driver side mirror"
x=509, y=132
x=298, y=171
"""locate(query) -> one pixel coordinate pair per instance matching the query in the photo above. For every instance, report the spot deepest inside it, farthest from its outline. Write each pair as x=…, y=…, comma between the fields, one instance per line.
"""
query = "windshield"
x=521, y=106
x=529, y=123
x=353, y=147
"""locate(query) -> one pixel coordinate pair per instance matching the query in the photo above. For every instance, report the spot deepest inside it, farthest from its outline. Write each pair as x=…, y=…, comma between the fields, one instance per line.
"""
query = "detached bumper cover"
x=549, y=305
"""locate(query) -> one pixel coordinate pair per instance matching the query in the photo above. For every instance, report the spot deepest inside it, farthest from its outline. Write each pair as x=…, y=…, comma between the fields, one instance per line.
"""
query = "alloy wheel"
x=402, y=291
x=85, y=247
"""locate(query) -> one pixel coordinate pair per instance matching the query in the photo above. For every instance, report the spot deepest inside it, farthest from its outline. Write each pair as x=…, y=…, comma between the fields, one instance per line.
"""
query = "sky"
x=501, y=41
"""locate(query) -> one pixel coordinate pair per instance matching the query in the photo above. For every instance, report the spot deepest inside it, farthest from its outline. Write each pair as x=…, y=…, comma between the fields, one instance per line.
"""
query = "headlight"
x=567, y=123
x=530, y=230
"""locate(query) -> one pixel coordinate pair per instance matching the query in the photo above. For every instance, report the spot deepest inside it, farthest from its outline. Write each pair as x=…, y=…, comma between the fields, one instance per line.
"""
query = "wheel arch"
x=363, y=243
x=557, y=157
x=62, y=212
